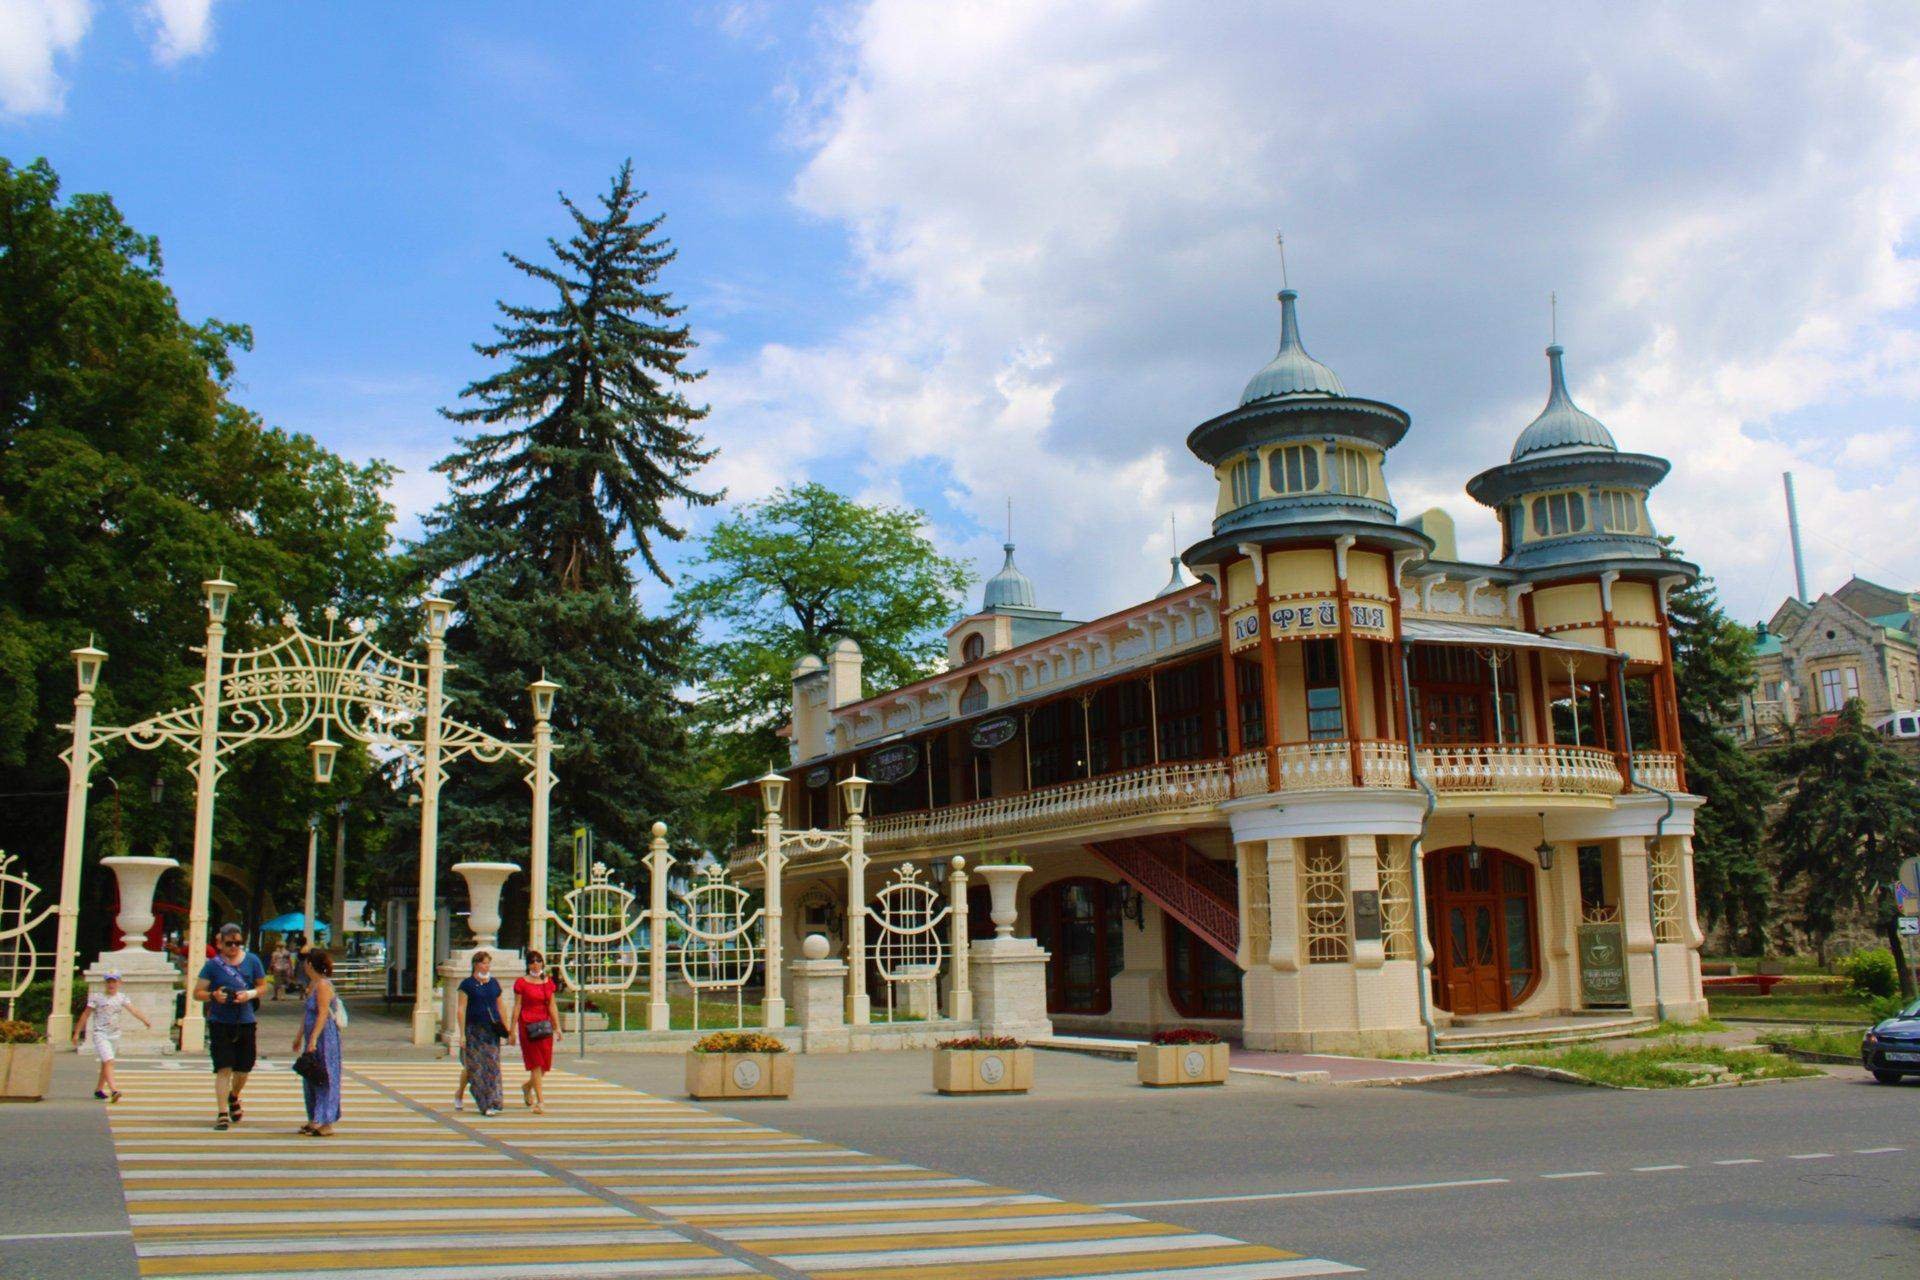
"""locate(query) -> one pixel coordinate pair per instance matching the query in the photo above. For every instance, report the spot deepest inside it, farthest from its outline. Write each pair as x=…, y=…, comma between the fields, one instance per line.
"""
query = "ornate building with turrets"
x=1341, y=790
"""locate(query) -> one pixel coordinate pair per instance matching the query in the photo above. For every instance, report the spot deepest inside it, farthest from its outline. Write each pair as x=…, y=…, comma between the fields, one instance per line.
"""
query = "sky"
x=963, y=253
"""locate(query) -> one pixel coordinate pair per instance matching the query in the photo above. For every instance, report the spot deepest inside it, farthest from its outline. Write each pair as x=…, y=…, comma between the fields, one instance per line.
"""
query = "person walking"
x=479, y=1018
x=536, y=1018
x=230, y=985
x=101, y=1019
x=280, y=965
x=319, y=1035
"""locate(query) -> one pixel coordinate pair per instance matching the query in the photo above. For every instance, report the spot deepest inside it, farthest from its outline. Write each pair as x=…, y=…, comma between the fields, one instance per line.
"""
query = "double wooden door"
x=1482, y=923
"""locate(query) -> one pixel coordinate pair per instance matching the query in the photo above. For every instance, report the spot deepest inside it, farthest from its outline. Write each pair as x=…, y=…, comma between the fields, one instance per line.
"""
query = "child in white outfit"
x=101, y=1020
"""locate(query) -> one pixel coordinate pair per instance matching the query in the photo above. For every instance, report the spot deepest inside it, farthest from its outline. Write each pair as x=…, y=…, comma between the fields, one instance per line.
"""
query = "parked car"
x=1901, y=724
x=1891, y=1047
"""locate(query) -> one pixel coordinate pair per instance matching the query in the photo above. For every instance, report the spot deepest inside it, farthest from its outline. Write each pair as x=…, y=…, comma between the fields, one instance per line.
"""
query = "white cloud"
x=36, y=35
x=181, y=28
x=1066, y=214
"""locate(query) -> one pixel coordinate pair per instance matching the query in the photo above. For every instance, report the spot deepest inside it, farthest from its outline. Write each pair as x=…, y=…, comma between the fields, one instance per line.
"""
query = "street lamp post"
x=853, y=795
x=772, y=791
x=426, y=1018
x=206, y=774
x=542, y=692
x=87, y=663
x=313, y=870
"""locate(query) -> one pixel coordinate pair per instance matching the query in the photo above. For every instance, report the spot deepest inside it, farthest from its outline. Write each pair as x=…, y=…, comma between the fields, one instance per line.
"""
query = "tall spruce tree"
x=586, y=441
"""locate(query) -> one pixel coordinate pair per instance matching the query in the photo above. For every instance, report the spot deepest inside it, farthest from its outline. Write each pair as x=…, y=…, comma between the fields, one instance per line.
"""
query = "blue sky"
x=959, y=253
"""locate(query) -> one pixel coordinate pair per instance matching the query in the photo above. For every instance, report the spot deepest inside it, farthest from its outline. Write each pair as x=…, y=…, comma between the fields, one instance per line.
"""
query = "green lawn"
x=1680, y=1029
x=1844, y=1044
x=1788, y=964
x=1784, y=1006
x=1646, y=1068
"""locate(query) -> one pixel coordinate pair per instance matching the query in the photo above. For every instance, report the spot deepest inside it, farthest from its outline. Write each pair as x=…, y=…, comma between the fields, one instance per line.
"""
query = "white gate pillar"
x=425, y=1017
x=79, y=765
x=859, y=1003
x=659, y=864
x=960, y=992
x=313, y=868
x=206, y=775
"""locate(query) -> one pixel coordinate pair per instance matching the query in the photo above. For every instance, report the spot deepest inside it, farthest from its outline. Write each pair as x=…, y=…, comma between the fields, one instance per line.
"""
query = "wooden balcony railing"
x=1161, y=788
x=1523, y=767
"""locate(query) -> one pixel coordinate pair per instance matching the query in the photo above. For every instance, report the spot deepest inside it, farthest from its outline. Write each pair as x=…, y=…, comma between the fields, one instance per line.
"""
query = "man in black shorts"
x=230, y=984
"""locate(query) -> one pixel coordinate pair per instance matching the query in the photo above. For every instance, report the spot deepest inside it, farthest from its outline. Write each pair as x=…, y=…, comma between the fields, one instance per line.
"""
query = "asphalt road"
x=1534, y=1179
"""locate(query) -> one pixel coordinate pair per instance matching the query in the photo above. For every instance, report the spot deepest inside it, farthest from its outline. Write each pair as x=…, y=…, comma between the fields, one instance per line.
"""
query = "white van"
x=1901, y=724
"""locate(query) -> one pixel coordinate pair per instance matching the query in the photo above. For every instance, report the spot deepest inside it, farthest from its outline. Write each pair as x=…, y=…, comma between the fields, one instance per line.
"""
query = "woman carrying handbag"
x=318, y=1045
x=538, y=1020
x=479, y=1017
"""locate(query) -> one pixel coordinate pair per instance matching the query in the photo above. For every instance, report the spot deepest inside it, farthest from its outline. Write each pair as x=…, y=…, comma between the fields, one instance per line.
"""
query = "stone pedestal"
x=1009, y=981
x=147, y=978
x=915, y=993
x=819, y=989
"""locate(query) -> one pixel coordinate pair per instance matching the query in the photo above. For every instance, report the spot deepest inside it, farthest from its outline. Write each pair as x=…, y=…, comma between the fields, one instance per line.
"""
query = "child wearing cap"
x=102, y=1020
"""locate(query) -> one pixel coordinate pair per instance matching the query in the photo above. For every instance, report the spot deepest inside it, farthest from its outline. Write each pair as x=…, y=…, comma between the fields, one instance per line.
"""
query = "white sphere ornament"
x=815, y=946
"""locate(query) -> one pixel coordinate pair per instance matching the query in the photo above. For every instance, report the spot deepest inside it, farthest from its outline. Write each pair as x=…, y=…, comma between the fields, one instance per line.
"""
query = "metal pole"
x=659, y=866
x=859, y=1003
x=960, y=1001
x=206, y=773
x=542, y=788
x=313, y=867
x=79, y=765
x=425, y=1016
x=339, y=938
x=774, y=1004
x=1793, y=532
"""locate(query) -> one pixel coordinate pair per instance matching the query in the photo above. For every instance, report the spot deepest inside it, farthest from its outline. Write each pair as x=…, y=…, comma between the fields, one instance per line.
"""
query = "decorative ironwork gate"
x=719, y=940
x=597, y=928
x=20, y=958
x=909, y=948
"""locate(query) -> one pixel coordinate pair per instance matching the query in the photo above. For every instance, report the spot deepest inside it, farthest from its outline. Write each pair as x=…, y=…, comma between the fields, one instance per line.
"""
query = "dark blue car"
x=1891, y=1048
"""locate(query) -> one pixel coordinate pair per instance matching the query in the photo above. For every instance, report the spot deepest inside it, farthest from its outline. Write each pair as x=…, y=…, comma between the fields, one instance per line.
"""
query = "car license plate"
x=1902, y=1057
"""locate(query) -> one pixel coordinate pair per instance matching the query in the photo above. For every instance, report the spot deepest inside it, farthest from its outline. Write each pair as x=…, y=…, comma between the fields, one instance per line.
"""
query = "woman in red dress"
x=537, y=1018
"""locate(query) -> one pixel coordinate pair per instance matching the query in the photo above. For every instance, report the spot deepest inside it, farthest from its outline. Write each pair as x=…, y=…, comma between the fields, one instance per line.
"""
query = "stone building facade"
x=1861, y=641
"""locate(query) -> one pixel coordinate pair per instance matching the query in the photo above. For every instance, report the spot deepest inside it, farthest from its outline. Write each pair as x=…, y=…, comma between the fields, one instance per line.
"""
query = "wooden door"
x=1481, y=918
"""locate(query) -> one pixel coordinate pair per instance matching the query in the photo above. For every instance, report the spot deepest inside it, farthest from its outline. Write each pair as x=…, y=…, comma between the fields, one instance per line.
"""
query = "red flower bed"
x=981, y=1042
x=1185, y=1035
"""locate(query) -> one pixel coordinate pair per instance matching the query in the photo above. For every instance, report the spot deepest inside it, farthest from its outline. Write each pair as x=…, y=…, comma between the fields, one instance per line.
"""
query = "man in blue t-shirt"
x=230, y=984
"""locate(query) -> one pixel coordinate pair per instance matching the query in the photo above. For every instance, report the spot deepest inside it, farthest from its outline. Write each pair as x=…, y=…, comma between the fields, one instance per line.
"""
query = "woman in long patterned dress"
x=479, y=1017
x=319, y=1034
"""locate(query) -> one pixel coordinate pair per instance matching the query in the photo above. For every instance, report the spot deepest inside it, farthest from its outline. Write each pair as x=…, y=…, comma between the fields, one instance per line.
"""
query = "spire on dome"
x=1562, y=426
x=1009, y=588
x=1292, y=372
x=1178, y=582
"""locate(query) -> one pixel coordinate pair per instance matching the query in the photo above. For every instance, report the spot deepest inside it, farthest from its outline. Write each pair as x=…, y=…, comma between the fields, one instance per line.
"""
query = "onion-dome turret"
x=1562, y=424
x=1009, y=588
x=1292, y=372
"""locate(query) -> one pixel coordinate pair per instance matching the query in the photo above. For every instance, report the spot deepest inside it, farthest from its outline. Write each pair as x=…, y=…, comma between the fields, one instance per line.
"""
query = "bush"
x=1871, y=973
x=740, y=1042
x=36, y=1002
x=981, y=1042
x=20, y=1033
x=1185, y=1035
x=1880, y=1008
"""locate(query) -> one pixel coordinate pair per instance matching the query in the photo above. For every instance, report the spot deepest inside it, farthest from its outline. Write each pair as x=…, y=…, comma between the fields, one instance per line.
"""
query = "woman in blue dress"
x=319, y=1034
x=477, y=1010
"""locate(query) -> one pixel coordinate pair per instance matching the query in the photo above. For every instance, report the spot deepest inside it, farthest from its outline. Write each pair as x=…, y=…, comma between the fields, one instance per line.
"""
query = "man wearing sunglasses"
x=230, y=984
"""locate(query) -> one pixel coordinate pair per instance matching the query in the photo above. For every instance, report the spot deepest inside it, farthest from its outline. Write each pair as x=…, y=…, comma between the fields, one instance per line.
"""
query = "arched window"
x=1351, y=474
x=1294, y=469
x=973, y=648
x=1243, y=481
x=1558, y=513
x=1619, y=511
x=974, y=697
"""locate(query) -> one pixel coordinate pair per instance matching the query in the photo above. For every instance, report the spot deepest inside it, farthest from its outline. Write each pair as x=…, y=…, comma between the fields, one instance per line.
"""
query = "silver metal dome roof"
x=1562, y=426
x=1009, y=588
x=1292, y=372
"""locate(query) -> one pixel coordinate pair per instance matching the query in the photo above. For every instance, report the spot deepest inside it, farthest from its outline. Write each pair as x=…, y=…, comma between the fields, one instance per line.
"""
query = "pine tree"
x=586, y=441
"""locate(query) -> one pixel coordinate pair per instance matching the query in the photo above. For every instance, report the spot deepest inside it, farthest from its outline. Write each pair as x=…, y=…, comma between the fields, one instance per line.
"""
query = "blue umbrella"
x=294, y=922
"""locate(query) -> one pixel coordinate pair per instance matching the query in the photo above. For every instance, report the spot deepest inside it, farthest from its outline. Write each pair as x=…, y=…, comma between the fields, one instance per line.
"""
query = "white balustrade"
x=1658, y=768
x=1520, y=768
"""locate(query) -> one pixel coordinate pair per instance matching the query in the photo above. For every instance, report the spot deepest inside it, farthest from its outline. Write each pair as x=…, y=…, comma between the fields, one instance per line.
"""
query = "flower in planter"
x=982, y=1042
x=20, y=1032
x=1185, y=1035
x=739, y=1042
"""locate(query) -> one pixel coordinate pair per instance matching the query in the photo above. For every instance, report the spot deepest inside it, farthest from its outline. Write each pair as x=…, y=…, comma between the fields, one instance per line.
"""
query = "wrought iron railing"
x=1524, y=767
x=1189, y=887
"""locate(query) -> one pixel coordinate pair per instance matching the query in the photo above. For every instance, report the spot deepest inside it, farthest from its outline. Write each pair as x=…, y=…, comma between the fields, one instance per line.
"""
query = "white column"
x=424, y=1019
x=79, y=765
x=1283, y=907
x=339, y=939
x=859, y=1003
x=659, y=866
x=313, y=868
x=206, y=774
x=775, y=1004
x=542, y=789
x=960, y=997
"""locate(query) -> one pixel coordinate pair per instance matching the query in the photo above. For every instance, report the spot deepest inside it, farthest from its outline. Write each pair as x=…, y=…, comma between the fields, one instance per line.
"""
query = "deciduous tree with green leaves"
x=789, y=575
x=1852, y=816
x=586, y=445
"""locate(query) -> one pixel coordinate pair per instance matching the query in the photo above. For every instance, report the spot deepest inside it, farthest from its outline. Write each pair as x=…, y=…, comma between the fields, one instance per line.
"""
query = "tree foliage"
x=1852, y=815
x=128, y=473
x=587, y=439
x=789, y=575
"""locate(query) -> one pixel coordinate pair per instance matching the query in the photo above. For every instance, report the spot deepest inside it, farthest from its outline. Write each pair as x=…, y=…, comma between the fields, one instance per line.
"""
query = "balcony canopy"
x=1419, y=631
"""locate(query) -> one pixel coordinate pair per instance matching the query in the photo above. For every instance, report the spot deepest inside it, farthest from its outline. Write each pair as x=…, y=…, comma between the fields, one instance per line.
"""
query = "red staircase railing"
x=1172, y=875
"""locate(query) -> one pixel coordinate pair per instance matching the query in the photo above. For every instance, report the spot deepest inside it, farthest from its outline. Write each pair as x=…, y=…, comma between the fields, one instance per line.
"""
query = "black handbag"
x=541, y=1030
x=499, y=1029
x=309, y=1067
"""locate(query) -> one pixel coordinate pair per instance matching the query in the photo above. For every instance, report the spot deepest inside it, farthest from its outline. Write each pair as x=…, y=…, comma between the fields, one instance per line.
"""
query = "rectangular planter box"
x=739, y=1075
x=983, y=1070
x=26, y=1071
x=1167, y=1065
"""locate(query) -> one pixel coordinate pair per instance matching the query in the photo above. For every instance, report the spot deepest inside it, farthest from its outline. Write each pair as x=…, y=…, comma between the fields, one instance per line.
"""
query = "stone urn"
x=484, y=882
x=138, y=878
x=1002, y=878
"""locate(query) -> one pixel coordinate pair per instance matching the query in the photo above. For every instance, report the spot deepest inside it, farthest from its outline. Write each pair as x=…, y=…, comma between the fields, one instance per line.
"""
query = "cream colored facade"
x=1307, y=800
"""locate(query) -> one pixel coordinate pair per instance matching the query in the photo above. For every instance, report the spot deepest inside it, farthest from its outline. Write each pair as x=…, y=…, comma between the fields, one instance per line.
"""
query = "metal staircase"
x=1174, y=876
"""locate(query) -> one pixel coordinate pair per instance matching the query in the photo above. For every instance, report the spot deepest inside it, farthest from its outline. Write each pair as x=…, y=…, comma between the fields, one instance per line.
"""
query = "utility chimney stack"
x=1793, y=532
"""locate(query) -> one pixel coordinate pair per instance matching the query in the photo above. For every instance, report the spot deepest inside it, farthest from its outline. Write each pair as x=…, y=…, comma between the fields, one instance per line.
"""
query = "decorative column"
x=426, y=910
x=339, y=938
x=207, y=770
x=484, y=883
x=1269, y=665
x=960, y=995
x=542, y=691
x=659, y=866
x=1636, y=920
x=88, y=662
x=773, y=1004
x=859, y=1003
x=313, y=867
x=1349, y=677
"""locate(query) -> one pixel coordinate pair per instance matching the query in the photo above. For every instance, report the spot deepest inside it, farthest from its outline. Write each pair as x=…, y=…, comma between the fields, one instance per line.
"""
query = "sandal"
x=221, y=1122
x=114, y=1096
x=526, y=1093
x=234, y=1113
x=307, y=1128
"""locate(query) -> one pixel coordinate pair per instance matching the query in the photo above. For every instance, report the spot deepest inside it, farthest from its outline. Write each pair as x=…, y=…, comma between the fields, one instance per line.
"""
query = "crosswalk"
x=609, y=1183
